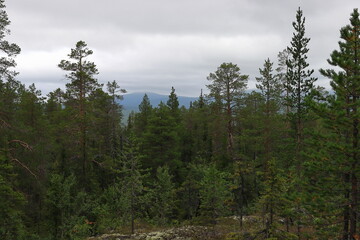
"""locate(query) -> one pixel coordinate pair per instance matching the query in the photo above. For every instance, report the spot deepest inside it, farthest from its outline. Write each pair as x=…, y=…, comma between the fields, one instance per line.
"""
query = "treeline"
x=287, y=152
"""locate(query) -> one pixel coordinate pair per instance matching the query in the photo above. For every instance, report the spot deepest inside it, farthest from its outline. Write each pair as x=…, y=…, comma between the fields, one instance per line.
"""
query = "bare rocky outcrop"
x=181, y=233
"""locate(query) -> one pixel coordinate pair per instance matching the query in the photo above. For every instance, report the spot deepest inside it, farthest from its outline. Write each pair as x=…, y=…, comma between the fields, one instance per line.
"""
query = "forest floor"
x=225, y=228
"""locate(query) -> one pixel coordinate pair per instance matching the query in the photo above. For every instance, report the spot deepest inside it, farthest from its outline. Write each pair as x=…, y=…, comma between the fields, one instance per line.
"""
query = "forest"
x=285, y=154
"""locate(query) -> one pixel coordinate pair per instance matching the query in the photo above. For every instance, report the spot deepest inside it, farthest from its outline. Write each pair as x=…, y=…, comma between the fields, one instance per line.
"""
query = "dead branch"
x=26, y=146
x=22, y=143
x=98, y=163
x=4, y=124
x=24, y=166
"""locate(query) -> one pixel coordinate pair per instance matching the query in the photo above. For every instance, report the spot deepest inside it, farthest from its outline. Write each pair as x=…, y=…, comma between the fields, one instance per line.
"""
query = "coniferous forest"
x=278, y=162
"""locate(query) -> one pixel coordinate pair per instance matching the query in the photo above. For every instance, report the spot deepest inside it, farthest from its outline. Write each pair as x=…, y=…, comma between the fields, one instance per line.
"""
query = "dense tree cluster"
x=287, y=152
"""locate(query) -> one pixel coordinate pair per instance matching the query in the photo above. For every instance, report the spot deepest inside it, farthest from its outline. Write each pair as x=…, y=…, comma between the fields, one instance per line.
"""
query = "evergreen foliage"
x=300, y=81
x=82, y=85
x=227, y=87
x=283, y=160
x=340, y=114
x=273, y=200
x=214, y=192
x=11, y=204
x=10, y=50
x=160, y=141
x=142, y=118
x=162, y=196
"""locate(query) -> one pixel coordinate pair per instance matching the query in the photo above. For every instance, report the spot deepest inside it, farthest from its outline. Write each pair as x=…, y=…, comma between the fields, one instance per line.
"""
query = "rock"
x=181, y=233
x=111, y=236
x=250, y=219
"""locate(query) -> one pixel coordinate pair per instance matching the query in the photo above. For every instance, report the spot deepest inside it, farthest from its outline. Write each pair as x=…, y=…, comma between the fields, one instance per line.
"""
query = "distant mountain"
x=132, y=101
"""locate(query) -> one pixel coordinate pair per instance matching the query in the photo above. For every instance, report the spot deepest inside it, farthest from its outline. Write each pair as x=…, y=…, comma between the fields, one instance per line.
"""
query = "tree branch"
x=24, y=166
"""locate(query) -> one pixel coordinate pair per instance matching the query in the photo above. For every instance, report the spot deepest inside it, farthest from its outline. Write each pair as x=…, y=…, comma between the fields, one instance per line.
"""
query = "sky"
x=152, y=45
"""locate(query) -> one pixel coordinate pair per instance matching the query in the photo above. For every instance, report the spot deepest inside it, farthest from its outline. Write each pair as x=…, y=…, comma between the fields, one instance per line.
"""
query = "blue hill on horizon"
x=132, y=101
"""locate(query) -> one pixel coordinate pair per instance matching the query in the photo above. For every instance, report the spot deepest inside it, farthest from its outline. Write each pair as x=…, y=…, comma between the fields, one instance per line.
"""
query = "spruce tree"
x=11, y=204
x=114, y=118
x=214, y=192
x=273, y=201
x=173, y=104
x=131, y=181
x=201, y=121
x=269, y=85
x=160, y=141
x=300, y=81
x=196, y=142
x=300, y=85
x=188, y=192
x=142, y=117
x=270, y=88
x=162, y=195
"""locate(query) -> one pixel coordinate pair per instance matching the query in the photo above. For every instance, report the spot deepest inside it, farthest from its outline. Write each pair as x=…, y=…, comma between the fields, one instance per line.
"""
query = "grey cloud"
x=162, y=43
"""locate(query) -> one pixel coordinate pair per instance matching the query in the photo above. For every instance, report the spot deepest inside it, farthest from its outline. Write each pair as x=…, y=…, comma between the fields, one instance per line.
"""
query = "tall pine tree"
x=81, y=74
x=341, y=116
x=228, y=86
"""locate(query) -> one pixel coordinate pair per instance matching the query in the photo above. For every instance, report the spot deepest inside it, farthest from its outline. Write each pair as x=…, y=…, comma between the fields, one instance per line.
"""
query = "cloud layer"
x=153, y=45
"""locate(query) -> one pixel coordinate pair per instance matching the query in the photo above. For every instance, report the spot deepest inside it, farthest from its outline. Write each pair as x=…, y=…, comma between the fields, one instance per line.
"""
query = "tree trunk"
x=353, y=205
x=229, y=124
x=346, y=213
x=354, y=187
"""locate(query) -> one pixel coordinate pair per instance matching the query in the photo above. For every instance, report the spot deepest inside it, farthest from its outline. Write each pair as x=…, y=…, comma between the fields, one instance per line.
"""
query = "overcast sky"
x=151, y=45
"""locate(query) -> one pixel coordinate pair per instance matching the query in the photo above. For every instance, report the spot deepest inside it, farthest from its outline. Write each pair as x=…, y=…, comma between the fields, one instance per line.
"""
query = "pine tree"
x=10, y=50
x=228, y=85
x=81, y=74
x=341, y=117
x=282, y=69
x=9, y=87
x=12, y=201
